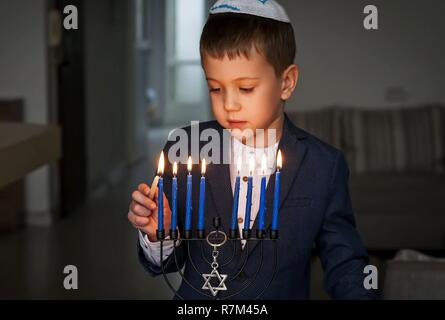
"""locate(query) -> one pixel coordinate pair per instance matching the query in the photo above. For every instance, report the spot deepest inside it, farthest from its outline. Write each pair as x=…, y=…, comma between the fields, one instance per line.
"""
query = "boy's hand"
x=143, y=213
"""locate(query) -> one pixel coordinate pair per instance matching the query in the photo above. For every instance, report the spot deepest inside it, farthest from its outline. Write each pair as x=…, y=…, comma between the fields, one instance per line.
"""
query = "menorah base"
x=216, y=281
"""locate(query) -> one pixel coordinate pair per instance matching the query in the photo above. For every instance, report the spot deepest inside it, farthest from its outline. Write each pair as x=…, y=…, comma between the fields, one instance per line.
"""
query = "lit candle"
x=174, y=222
x=276, y=200
x=160, y=231
x=188, y=204
x=233, y=226
x=262, y=213
x=246, y=229
x=202, y=195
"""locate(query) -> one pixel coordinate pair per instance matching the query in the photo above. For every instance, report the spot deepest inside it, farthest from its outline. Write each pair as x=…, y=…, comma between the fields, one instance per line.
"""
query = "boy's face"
x=246, y=93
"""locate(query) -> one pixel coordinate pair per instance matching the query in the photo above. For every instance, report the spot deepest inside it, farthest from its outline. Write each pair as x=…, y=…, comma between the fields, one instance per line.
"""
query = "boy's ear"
x=289, y=80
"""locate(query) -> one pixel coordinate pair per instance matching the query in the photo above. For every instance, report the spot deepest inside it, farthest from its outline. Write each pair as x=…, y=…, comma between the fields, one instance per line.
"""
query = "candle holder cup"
x=274, y=234
x=260, y=234
x=160, y=234
x=247, y=233
x=188, y=234
x=201, y=234
x=174, y=234
x=233, y=233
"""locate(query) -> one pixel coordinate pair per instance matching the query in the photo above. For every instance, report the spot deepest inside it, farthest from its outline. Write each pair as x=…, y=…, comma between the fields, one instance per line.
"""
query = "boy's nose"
x=231, y=104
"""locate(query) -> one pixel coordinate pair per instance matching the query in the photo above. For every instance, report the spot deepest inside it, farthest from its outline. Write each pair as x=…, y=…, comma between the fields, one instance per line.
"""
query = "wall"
x=342, y=63
x=105, y=83
x=23, y=73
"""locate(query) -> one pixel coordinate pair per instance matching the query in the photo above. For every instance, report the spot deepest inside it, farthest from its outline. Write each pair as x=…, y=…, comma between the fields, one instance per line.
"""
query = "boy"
x=247, y=53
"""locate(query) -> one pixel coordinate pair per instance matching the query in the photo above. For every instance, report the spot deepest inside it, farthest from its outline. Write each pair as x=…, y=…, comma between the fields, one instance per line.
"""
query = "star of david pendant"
x=214, y=274
x=220, y=277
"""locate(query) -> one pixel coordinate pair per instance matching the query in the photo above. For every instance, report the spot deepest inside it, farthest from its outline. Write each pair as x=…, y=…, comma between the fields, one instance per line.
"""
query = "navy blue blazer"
x=315, y=212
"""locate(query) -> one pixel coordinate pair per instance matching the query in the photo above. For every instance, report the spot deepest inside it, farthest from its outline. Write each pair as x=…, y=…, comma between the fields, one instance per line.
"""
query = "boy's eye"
x=246, y=89
x=214, y=89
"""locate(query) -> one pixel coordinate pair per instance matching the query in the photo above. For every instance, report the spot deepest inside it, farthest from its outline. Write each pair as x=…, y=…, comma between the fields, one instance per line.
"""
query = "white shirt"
x=152, y=249
x=246, y=153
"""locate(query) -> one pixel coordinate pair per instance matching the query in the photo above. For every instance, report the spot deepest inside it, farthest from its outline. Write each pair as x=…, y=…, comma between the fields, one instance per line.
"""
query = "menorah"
x=216, y=239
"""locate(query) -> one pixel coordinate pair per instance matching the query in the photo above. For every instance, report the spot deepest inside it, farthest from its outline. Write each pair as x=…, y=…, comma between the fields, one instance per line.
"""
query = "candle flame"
x=175, y=168
x=161, y=164
x=279, y=160
x=252, y=165
x=203, y=166
x=238, y=167
x=264, y=163
x=189, y=164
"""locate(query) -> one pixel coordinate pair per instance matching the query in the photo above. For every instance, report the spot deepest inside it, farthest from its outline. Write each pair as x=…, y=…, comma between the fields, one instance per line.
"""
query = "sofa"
x=396, y=158
x=414, y=275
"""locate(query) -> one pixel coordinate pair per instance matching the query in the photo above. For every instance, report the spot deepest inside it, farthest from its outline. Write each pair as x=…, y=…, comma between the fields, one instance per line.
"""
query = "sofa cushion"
x=325, y=124
x=394, y=140
x=413, y=275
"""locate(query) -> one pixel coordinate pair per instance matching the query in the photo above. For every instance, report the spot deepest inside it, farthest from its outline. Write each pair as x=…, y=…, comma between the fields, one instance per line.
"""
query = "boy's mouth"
x=236, y=123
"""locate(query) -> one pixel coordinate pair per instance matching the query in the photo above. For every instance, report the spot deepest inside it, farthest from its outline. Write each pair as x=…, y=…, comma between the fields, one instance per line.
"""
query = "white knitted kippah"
x=262, y=8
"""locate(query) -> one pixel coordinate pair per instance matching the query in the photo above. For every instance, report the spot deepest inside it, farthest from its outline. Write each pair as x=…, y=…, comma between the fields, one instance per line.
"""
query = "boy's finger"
x=144, y=188
x=141, y=222
x=139, y=210
x=137, y=220
x=139, y=197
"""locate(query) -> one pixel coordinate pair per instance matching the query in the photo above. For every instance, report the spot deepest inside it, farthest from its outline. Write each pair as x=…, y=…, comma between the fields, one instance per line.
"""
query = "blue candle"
x=160, y=203
x=188, y=204
x=174, y=223
x=276, y=200
x=202, y=195
x=235, y=203
x=236, y=197
x=249, y=196
x=262, y=213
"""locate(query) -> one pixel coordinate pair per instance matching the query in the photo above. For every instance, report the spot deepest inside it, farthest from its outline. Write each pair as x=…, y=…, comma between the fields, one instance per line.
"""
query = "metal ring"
x=219, y=244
